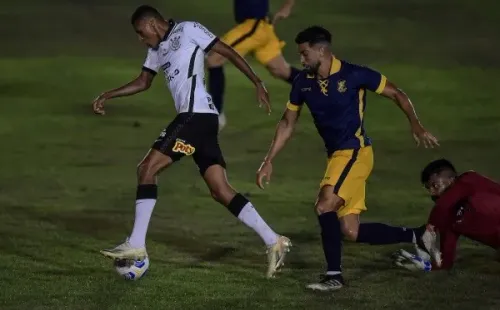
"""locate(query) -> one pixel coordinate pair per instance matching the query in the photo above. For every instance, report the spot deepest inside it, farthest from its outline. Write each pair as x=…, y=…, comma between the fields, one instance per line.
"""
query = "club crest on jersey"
x=341, y=87
x=181, y=146
x=175, y=43
x=460, y=214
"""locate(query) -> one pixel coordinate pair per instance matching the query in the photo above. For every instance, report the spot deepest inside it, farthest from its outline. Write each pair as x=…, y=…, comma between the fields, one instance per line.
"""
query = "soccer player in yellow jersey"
x=335, y=93
x=253, y=33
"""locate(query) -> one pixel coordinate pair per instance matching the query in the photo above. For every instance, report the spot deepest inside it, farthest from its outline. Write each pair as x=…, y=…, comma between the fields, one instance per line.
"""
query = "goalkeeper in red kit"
x=466, y=204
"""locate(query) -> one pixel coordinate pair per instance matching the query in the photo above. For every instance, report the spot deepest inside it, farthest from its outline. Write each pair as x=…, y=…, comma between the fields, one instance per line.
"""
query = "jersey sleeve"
x=370, y=79
x=448, y=248
x=151, y=64
x=296, y=99
x=201, y=36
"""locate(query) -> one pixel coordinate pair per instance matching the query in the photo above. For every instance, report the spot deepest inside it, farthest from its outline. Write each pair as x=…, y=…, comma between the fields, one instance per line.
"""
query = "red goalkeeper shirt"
x=470, y=207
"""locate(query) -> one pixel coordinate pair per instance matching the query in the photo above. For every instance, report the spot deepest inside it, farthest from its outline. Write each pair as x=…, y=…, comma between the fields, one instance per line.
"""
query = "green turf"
x=67, y=181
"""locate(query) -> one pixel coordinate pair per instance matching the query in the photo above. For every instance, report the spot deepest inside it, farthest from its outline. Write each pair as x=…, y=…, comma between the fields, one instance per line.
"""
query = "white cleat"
x=125, y=251
x=276, y=254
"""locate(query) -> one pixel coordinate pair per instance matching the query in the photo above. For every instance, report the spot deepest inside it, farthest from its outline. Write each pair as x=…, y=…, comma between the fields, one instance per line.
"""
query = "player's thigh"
x=178, y=138
x=207, y=151
x=243, y=38
x=208, y=155
x=349, y=214
x=211, y=164
x=356, y=205
x=347, y=172
x=271, y=50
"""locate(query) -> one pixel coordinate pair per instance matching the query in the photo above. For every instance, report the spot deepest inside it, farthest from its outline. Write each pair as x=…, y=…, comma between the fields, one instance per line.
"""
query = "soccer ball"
x=131, y=269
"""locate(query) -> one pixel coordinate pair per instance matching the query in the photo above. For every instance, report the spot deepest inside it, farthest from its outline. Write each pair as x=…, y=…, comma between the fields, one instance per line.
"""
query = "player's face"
x=437, y=184
x=310, y=57
x=147, y=31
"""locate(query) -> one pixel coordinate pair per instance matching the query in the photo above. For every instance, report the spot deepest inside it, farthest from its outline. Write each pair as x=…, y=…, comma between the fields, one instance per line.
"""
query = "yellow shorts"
x=255, y=36
x=347, y=171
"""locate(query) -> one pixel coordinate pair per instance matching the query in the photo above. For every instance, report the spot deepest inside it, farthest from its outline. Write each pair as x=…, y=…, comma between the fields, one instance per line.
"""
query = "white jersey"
x=181, y=56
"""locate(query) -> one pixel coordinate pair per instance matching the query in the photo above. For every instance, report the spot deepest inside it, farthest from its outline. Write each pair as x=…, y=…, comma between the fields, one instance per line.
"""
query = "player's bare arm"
x=284, y=11
x=283, y=133
x=240, y=63
x=139, y=84
x=420, y=134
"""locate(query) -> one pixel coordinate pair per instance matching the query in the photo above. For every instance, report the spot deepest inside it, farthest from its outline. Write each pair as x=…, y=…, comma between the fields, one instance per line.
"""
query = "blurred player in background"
x=178, y=50
x=466, y=204
x=254, y=33
x=335, y=93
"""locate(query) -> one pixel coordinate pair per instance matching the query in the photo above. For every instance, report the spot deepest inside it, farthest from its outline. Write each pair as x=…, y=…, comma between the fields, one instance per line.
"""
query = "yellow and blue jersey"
x=250, y=9
x=338, y=103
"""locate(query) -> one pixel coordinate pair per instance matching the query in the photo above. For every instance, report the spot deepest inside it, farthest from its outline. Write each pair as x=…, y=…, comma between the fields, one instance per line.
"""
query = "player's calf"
x=279, y=68
x=146, y=195
x=243, y=209
x=326, y=207
x=378, y=234
x=349, y=226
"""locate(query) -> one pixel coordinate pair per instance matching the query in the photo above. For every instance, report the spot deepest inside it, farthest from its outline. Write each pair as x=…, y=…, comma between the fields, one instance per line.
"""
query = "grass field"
x=67, y=181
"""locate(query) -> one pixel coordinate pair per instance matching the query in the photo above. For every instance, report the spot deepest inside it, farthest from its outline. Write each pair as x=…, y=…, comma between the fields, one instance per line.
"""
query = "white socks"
x=143, y=210
x=252, y=219
x=248, y=215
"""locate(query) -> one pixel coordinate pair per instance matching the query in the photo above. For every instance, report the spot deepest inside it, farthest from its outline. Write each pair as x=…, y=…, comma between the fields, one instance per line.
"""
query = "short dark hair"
x=436, y=166
x=145, y=11
x=314, y=35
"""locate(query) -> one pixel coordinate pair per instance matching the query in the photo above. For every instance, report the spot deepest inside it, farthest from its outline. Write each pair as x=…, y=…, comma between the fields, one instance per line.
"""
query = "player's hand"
x=263, y=97
x=98, y=105
x=281, y=14
x=408, y=261
x=265, y=171
x=424, y=137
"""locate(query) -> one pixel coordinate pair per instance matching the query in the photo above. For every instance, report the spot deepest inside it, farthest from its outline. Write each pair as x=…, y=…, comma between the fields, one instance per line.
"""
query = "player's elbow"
x=144, y=80
x=224, y=50
x=146, y=85
x=142, y=84
x=400, y=96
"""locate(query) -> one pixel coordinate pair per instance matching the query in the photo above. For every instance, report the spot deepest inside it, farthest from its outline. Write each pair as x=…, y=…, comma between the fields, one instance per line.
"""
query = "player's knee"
x=324, y=205
x=147, y=170
x=327, y=201
x=215, y=195
x=222, y=195
x=215, y=60
x=144, y=169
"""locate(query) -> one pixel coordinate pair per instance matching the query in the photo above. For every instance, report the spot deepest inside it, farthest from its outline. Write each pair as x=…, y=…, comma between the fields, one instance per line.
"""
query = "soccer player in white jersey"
x=178, y=50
